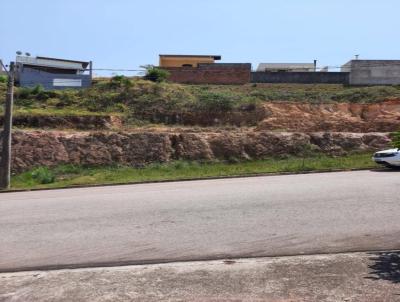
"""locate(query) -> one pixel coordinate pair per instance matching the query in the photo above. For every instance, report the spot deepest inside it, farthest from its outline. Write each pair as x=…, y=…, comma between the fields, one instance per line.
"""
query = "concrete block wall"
x=374, y=72
x=219, y=73
x=301, y=77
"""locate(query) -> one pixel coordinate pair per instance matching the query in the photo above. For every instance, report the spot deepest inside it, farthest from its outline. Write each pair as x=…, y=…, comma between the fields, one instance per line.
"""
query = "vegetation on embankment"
x=136, y=97
x=70, y=175
x=395, y=136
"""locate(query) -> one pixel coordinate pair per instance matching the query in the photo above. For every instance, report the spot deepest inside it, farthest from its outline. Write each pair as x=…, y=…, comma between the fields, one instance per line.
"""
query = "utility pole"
x=5, y=164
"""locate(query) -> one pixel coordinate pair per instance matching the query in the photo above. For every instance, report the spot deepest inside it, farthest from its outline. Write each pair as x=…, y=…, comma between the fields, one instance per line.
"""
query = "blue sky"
x=130, y=33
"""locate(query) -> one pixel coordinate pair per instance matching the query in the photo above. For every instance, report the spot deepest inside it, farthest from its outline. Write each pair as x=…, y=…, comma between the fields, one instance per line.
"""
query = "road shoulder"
x=334, y=277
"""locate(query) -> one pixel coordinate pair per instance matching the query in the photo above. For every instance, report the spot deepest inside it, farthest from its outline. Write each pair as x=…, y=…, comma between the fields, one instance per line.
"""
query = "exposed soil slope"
x=282, y=116
x=347, y=117
x=49, y=148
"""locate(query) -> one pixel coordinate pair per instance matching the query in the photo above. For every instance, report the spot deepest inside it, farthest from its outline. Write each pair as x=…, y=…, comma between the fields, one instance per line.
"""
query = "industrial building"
x=373, y=72
x=52, y=73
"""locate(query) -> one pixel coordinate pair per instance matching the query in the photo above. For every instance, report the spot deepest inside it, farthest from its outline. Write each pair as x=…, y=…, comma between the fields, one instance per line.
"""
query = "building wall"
x=220, y=73
x=28, y=77
x=179, y=61
x=374, y=72
x=301, y=77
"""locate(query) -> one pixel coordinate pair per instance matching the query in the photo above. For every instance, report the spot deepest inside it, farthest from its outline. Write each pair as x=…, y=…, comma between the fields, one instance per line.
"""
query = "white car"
x=389, y=158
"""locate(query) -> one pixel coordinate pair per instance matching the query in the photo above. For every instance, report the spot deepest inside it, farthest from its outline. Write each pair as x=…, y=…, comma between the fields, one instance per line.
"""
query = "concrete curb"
x=93, y=265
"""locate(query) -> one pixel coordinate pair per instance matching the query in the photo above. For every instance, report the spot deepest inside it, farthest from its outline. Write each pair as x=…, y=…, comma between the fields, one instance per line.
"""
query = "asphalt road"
x=199, y=220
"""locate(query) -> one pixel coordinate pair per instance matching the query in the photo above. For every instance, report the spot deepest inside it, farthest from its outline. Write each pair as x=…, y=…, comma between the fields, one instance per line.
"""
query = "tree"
x=155, y=74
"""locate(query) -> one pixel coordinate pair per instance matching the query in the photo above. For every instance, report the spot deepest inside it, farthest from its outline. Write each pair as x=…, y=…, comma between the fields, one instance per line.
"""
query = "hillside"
x=137, y=123
x=122, y=103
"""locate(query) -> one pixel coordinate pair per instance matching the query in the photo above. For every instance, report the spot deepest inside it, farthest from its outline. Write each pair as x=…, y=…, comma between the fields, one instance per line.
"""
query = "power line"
x=114, y=69
x=366, y=65
x=349, y=68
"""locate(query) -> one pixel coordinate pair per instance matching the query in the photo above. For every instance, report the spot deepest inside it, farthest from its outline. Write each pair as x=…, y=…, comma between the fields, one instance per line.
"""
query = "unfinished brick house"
x=202, y=69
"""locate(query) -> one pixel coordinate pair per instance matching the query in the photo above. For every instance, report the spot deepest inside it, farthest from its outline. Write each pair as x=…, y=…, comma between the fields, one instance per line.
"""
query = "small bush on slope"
x=43, y=175
x=396, y=139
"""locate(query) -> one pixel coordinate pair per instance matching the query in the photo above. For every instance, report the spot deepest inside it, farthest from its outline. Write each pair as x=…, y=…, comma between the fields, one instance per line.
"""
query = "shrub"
x=37, y=89
x=155, y=74
x=44, y=95
x=3, y=79
x=119, y=81
x=36, y=92
x=43, y=175
x=23, y=93
x=215, y=101
x=249, y=103
x=395, y=136
x=117, y=78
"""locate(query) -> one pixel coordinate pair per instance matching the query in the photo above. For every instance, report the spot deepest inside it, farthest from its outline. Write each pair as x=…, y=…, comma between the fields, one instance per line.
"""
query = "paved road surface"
x=242, y=217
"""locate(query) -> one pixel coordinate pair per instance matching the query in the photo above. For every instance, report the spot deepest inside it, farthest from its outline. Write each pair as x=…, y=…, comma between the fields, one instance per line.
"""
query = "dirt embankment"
x=49, y=148
x=281, y=116
x=291, y=116
x=339, y=117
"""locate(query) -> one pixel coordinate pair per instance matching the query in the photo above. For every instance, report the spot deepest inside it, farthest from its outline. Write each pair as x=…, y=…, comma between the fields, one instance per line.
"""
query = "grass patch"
x=70, y=175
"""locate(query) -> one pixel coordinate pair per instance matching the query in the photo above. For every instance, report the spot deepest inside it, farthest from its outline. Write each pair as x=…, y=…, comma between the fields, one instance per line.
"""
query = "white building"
x=286, y=67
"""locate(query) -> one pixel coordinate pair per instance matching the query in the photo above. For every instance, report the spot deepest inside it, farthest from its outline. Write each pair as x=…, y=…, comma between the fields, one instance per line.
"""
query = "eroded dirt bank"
x=49, y=148
x=346, y=117
x=297, y=116
x=282, y=116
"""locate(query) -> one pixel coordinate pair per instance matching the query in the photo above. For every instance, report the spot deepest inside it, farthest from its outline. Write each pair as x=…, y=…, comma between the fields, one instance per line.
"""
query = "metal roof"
x=52, y=62
x=64, y=60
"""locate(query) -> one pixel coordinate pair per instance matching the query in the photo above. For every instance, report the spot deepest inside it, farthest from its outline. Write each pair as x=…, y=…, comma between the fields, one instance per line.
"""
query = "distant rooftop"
x=215, y=57
x=367, y=64
x=372, y=61
x=285, y=66
x=52, y=62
